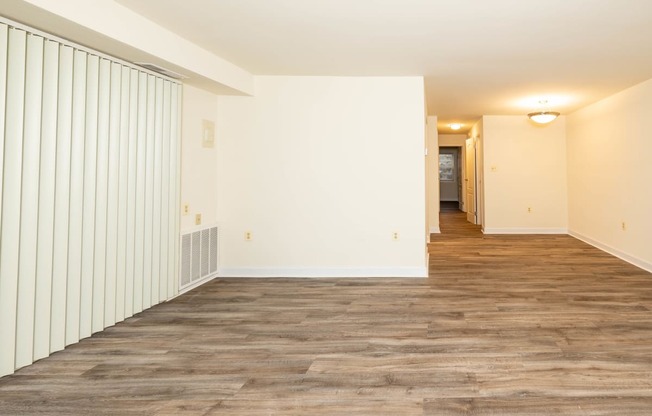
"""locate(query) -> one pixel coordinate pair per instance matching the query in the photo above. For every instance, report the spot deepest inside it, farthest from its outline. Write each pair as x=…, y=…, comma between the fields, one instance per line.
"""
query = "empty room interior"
x=325, y=207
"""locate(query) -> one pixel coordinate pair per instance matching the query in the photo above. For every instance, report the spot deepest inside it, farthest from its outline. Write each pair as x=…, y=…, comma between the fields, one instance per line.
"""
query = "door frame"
x=471, y=197
x=459, y=172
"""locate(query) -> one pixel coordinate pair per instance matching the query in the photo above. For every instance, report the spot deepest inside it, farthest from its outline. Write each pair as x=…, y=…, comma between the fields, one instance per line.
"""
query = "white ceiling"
x=478, y=57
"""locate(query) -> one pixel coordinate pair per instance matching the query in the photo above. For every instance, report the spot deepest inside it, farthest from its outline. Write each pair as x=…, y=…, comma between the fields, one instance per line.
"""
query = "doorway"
x=450, y=179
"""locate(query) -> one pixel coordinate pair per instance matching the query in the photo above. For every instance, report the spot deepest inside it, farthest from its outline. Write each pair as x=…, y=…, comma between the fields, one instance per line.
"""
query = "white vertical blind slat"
x=123, y=172
x=158, y=171
x=29, y=201
x=88, y=221
x=46, y=208
x=113, y=194
x=131, y=193
x=73, y=296
x=62, y=207
x=149, y=191
x=174, y=203
x=165, y=191
x=11, y=195
x=101, y=195
x=141, y=180
x=13, y=157
x=3, y=96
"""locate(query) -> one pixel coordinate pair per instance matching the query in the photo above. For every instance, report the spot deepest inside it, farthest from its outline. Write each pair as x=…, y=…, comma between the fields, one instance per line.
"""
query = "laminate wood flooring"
x=505, y=325
x=453, y=223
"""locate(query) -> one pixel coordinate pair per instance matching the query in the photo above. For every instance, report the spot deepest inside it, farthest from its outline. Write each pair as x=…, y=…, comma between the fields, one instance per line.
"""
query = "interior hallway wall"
x=478, y=135
x=452, y=140
x=525, y=180
x=432, y=174
x=609, y=174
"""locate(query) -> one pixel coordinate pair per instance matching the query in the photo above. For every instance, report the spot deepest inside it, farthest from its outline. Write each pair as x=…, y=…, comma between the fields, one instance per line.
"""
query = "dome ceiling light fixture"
x=543, y=117
x=455, y=126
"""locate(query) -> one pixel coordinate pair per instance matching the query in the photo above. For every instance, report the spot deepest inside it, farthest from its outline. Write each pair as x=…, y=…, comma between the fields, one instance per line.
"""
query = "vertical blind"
x=89, y=186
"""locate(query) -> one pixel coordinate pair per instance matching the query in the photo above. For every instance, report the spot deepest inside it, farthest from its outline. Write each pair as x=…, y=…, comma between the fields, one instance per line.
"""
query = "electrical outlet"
x=395, y=236
x=623, y=225
x=529, y=210
x=248, y=236
x=186, y=209
x=198, y=219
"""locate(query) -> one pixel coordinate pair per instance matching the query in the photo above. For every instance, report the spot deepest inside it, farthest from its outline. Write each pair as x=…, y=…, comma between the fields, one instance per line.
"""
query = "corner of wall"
x=199, y=188
x=432, y=175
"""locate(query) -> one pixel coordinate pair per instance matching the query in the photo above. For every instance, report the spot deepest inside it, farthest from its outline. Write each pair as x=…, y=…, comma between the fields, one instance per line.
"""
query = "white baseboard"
x=194, y=285
x=525, y=231
x=324, y=272
x=647, y=266
x=435, y=230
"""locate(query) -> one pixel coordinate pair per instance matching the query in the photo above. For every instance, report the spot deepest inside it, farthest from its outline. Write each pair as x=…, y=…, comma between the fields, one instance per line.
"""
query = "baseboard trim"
x=435, y=230
x=647, y=266
x=194, y=285
x=324, y=272
x=525, y=231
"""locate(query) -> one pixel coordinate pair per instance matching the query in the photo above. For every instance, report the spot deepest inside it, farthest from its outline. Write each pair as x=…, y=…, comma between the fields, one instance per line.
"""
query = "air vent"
x=198, y=256
x=161, y=70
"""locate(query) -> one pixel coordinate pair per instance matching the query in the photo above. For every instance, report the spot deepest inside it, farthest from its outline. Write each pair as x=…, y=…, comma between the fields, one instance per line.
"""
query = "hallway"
x=453, y=224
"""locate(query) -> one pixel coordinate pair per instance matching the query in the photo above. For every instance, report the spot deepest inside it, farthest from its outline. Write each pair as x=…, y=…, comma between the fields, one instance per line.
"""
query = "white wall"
x=198, y=163
x=322, y=171
x=524, y=167
x=452, y=140
x=477, y=133
x=432, y=169
x=609, y=174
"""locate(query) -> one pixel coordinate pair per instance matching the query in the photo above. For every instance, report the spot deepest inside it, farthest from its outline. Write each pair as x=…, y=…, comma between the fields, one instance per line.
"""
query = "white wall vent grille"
x=198, y=256
x=185, y=260
x=213, y=256
x=161, y=70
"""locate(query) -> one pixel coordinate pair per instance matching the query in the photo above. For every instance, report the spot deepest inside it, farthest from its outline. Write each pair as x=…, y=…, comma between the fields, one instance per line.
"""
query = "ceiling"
x=478, y=57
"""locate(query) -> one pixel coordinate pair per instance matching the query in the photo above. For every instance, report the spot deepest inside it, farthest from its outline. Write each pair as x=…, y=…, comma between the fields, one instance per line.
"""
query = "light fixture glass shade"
x=543, y=117
x=455, y=126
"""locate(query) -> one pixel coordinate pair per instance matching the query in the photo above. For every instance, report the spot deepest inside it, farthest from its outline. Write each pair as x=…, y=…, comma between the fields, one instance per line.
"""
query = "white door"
x=471, y=204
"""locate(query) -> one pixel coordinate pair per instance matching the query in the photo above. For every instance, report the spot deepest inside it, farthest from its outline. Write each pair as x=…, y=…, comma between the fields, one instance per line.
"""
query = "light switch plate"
x=208, y=134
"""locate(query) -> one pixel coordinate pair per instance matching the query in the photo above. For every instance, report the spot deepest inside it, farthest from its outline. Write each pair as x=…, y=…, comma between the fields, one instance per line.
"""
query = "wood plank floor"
x=453, y=224
x=505, y=325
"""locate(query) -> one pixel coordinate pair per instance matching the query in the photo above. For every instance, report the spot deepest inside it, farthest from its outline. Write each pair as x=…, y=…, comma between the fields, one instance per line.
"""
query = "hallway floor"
x=453, y=224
